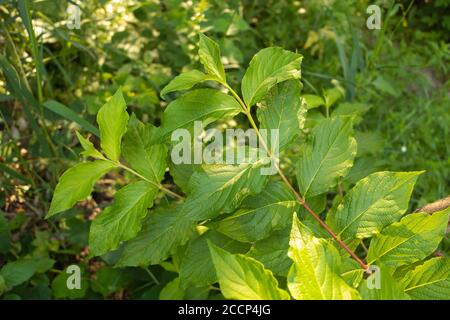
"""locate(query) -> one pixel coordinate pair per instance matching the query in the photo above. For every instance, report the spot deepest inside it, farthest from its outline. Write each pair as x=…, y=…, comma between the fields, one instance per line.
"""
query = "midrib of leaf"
x=365, y=210
x=251, y=210
x=425, y=284
x=321, y=163
x=394, y=247
x=134, y=203
x=283, y=102
x=270, y=76
x=402, y=242
x=238, y=175
x=314, y=274
x=151, y=166
x=202, y=115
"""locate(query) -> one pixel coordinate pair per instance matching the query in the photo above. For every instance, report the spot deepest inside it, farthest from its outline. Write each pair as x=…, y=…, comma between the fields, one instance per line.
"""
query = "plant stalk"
x=299, y=198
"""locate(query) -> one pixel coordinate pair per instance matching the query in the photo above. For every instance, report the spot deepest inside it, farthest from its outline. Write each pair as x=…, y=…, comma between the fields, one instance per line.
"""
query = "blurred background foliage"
x=54, y=79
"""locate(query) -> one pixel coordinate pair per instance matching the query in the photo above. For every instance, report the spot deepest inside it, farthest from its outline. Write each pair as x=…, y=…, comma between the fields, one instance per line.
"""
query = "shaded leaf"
x=261, y=214
x=283, y=109
x=123, y=219
x=161, y=233
x=76, y=184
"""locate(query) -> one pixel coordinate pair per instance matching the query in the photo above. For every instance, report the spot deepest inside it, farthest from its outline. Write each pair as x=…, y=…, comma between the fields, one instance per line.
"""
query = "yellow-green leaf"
x=244, y=278
x=112, y=120
x=314, y=274
x=267, y=68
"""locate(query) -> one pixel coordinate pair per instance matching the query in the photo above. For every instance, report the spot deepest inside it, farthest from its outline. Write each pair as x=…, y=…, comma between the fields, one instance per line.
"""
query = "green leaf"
x=429, y=281
x=267, y=68
x=61, y=291
x=112, y=120
x=209, y=53
x=161, y=233
x=261, y=214
x=374, y=202
x=172, y=291
x=70, y=115
x=389, y=288
x=273, y=252
x=350, y=109
x=123, y=219
x=146, y=158
x=182, y=173
x=17, y=272
x=109, y=280
x=5, y=234
x=244, y=278
x=197, y=267
x=351, y=271
x=331, y=96
x=186, y=81
x=76, y=184
x=313, y=101
x=206, y=105
x=327, y=158
x=315, y=272
x=411, y=239
x=221, y=188
x=285, y=110
x=89, y=149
